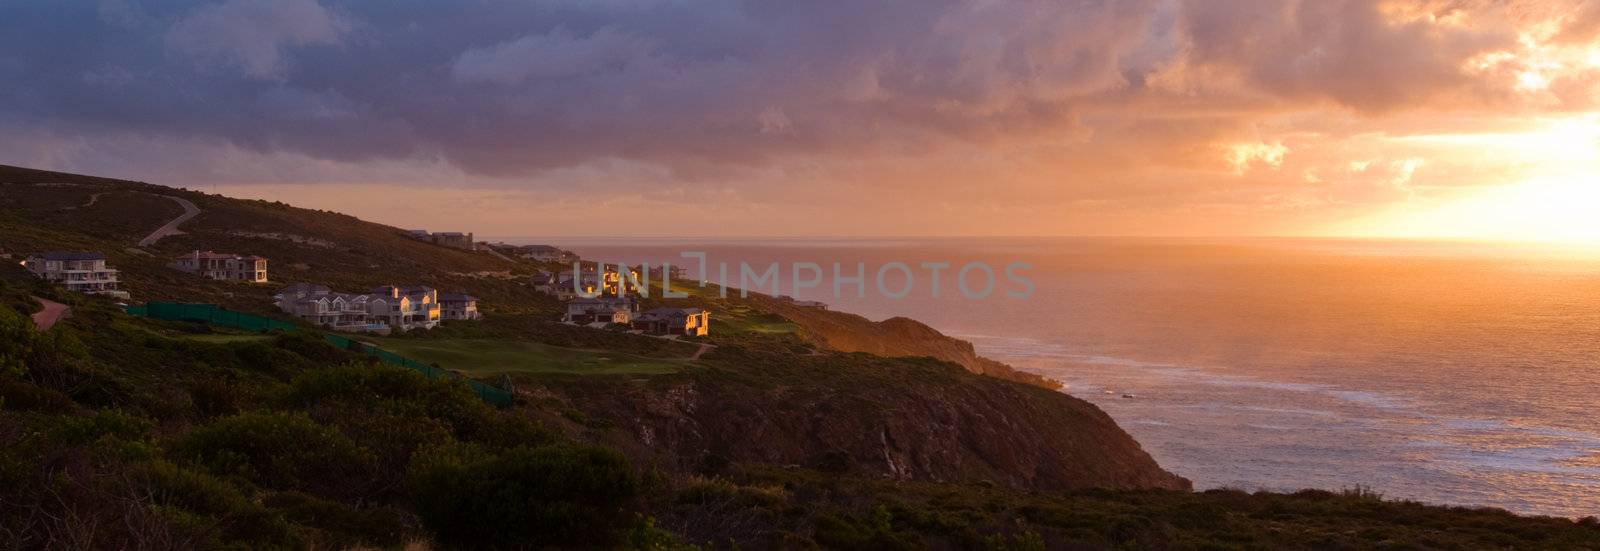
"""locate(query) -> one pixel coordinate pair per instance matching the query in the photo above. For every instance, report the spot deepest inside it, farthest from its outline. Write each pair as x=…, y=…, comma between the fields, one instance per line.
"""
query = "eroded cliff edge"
x=909, y=419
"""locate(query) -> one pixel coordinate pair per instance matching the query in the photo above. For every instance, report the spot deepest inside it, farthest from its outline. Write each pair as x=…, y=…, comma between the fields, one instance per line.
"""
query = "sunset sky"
x=1466, y=118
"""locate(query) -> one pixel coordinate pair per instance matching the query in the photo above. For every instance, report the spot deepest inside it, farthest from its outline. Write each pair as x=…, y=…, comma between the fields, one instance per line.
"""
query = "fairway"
x=493, y=357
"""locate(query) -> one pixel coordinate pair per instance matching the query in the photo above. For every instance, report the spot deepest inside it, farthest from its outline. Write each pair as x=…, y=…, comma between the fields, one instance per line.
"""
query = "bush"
x=16, y=342
x=276, y=450
x=526, y=497
x=396, y=390
x=340, y=526
x=207, y=504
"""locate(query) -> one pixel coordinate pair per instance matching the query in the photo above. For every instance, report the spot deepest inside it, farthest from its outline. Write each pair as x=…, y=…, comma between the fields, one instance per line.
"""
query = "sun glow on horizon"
x=1557, y=200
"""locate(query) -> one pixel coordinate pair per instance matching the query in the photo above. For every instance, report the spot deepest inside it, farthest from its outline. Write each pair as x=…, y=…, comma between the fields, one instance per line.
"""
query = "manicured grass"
x=493, y=357
x=228, y=338
x=741, y=319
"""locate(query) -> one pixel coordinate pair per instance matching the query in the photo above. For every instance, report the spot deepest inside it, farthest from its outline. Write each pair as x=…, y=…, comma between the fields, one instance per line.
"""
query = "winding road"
x=53, y=312
x=171, y=228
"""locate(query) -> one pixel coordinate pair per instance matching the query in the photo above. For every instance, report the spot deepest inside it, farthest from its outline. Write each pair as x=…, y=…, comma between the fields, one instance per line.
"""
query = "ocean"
x=1447, y=373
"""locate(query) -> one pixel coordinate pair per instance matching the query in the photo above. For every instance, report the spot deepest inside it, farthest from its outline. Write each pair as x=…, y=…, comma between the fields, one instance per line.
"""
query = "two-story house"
x=689, y=322
x=386, y=308
x=224, y=266
x=601, y=310
x=457, y=306
x=83, y=272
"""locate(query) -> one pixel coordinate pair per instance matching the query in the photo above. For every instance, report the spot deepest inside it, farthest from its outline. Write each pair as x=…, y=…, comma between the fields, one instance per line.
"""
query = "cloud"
x=251, y=35
x=1108, y=104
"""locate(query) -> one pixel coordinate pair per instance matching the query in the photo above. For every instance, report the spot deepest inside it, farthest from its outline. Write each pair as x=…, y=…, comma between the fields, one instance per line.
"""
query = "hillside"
x=125, y=432
x=41, y=210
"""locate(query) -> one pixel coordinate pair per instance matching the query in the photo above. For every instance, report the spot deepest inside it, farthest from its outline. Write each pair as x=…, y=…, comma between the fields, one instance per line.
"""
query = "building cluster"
x=602, y=311
x=448, y=239
x=223, y=266
x=83, y=272
x=591, y=280
x=600, y=296
x=385, y=309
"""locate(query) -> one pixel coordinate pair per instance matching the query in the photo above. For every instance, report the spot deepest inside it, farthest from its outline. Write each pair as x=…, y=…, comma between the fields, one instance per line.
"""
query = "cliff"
x=902, y=419
x=893, y=337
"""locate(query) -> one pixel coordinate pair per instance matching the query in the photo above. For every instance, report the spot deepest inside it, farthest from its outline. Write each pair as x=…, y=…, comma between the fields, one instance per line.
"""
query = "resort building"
x=386, y=308
x=83, y=272
x=224, y=266
x=689, y=322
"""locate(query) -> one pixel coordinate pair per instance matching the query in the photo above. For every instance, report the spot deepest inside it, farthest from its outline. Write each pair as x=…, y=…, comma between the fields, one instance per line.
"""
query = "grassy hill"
x=120, y=432
x=42, y=210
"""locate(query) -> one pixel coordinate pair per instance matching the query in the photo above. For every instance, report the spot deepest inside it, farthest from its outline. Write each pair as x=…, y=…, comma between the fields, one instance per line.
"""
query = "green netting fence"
x=216, y=315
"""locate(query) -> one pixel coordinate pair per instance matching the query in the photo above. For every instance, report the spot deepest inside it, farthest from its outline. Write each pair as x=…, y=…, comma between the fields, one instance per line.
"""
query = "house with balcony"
x=384, y=309
x=223, y=266
x=410, y=306
x=83, y=272
x=689, y=322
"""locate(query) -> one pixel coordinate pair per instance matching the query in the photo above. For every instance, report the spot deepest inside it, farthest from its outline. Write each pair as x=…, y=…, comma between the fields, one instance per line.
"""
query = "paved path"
x=502, y=257
x=703, y=349
x=189, y=211
x=53, y=312
x=92, y=200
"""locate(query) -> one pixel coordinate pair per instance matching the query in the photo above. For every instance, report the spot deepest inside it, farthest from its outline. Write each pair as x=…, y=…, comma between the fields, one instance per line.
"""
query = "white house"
x=386, y=308
x=84, y=272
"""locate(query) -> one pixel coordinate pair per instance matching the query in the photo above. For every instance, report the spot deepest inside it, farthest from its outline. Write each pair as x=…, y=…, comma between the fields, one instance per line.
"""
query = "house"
x=457, y=306
x=386, y=308
x=689, y=322
x=410, y=306
x=448, y=239
x=601, y=310
x=223, y=266
x=84, y=272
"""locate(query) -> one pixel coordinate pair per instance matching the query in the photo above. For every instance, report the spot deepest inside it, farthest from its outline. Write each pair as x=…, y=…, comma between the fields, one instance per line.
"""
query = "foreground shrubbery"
x=113, y=435
x=567, y=495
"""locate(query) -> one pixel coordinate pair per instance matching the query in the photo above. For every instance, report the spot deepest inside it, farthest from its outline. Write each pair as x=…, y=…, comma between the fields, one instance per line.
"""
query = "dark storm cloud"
x=506, y=88
x=503, y=86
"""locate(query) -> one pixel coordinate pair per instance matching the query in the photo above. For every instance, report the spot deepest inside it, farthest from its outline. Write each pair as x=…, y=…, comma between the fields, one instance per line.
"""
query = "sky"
x=1392, y=118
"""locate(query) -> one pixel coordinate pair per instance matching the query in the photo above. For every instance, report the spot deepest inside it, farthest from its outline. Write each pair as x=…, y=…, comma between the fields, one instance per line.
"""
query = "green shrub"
x=276, y=450
x=394, y=389
x=207, y=504
x=340, y=526
x=526, y=497
x=17, y=336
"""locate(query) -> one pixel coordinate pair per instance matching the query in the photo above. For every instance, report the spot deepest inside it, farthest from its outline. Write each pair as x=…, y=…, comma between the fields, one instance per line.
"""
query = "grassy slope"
x=482, y=357
x=304, y=245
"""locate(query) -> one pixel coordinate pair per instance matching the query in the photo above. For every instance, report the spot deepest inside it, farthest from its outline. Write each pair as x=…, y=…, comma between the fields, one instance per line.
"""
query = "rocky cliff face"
x=893, y=337
x=905, y=419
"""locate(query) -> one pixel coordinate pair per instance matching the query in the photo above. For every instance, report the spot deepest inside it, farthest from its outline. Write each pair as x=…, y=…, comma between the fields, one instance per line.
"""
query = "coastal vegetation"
x=796, y=428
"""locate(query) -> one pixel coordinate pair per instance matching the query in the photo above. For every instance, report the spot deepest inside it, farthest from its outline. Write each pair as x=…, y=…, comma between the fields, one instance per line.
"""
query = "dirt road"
x=53, y=312
x=171, y=228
